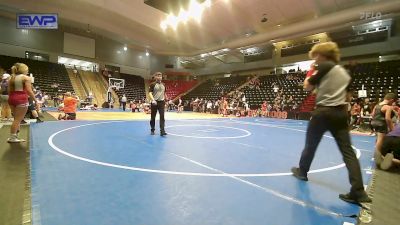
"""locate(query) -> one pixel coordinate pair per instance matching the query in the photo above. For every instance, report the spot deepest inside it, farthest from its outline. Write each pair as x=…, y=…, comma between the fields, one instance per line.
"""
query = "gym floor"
x=213, y=171
x=206, y=171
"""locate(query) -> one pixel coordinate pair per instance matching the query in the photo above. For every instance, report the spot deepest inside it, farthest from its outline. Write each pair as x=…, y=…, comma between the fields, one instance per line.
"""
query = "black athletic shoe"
x=39, y=120
x=350, y=198
x=23, y=122
x=296, y=173
x=152, y=133
x=163, y=133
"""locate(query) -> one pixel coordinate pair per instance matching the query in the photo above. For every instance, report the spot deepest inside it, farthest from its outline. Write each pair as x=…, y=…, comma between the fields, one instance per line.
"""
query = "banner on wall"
x=273, y=114
x=37, y=21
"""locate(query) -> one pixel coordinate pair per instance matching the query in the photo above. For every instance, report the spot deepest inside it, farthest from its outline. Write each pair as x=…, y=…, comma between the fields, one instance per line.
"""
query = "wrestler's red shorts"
x=18, y=99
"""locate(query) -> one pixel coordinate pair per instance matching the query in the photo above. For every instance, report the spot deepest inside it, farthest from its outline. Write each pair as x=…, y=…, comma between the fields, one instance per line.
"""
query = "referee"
x=157, y=97
x=331, y=81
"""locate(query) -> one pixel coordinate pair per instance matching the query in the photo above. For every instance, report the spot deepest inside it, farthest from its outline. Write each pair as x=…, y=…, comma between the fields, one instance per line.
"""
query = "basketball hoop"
x=116, y=83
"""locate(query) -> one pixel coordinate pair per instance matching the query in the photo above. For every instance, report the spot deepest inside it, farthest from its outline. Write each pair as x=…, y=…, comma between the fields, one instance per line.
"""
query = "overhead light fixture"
x=164, y=25
x=207, y=3
x=195, y=12
x=183, y=16
x=62, y=60
x=86, y=64
x=172, y=21
x=125, y=48
x=147, y=53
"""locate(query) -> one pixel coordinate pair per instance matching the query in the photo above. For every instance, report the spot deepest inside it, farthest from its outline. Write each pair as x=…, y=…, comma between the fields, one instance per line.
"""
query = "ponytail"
x=11, y=82
x=17, y=68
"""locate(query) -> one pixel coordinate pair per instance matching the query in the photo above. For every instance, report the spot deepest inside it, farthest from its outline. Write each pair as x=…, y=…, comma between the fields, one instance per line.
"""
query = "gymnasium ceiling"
x=226, y=24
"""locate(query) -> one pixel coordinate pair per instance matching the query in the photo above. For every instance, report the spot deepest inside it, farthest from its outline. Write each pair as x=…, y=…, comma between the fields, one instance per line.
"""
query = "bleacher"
x=213, y=89
x=134, y=87
x=45, y=73
x=177, y=87
x=290, y=87
x=378, y=79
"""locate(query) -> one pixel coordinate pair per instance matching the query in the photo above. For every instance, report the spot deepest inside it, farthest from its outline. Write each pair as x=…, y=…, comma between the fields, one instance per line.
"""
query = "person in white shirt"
x=180, y=105
x=123, y=101
x=209, y=106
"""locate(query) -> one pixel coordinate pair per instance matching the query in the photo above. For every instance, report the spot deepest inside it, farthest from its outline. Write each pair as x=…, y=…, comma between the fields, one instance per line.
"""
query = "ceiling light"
x=86, y=64
x=207, y=3
x=147, y=53
x=183, y=16
x=172, y=21
x=125, y=48
x=196, y=10
x=75, y=62
x=62, y=60
x=164, y=25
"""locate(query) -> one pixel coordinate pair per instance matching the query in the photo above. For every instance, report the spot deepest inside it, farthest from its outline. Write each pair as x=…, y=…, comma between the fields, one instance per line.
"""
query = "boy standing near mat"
x=332, y=81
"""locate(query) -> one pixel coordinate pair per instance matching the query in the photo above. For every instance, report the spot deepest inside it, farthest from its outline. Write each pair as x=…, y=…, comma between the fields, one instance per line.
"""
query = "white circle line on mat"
x=58, y=149
x=247, y=133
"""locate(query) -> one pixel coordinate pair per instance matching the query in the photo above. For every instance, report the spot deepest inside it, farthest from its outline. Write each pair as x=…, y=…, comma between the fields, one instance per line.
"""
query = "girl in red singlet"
x=20, y=87
x=264, y=109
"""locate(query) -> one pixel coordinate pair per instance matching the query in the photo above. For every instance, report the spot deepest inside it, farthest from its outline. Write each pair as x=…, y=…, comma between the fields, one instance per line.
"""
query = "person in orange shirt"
x=70, y=104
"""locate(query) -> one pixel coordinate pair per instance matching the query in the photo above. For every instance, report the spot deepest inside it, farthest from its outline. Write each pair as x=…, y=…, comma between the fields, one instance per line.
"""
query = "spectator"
x=5, y=107
x=70, y=105
x=264, y=108
x=133, y=107
x=90, y=97
x=34, y=111
x=382, y=119
x=390, y=151
x=75, y=71
x=180, y=105
x=171, y=105
x=355, y=113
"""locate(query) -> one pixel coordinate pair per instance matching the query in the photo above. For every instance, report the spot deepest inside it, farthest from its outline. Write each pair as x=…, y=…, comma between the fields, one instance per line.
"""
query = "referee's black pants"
x=160, y=106
x=333, y=119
